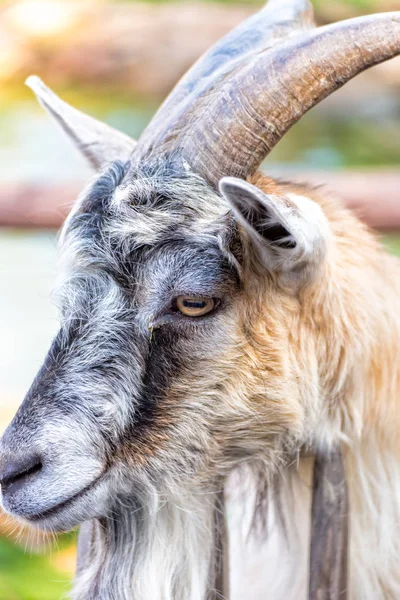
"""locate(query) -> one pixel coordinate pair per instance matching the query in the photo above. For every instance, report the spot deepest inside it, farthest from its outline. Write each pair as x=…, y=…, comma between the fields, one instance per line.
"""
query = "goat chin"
x=152, y=547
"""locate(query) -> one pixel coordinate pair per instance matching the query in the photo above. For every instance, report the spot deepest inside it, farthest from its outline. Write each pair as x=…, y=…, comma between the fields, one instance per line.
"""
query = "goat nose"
x=15, y=471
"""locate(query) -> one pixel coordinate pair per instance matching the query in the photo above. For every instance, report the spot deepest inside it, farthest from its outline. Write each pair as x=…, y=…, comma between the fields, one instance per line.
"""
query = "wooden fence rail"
x=374, y=195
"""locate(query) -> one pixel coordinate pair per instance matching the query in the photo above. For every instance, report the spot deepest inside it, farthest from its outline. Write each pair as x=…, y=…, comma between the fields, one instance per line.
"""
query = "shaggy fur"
x=140, y=415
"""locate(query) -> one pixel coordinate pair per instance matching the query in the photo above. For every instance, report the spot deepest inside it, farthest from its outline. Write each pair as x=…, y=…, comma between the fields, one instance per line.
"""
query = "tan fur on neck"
x=341, y=339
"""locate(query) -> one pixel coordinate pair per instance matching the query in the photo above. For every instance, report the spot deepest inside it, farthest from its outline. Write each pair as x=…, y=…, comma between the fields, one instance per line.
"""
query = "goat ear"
x=98, y=142
x=290, y=231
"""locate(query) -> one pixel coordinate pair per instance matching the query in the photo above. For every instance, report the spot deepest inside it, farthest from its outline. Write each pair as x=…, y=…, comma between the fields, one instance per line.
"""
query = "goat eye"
x=194, y=307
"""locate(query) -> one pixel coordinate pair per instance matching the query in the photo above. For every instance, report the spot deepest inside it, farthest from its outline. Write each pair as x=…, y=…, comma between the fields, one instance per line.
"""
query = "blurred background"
x=117, y=61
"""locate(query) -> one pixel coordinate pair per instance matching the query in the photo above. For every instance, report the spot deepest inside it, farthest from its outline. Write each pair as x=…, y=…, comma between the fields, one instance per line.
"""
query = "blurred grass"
x=36, y=576
x=331, y=141
x=392, y=243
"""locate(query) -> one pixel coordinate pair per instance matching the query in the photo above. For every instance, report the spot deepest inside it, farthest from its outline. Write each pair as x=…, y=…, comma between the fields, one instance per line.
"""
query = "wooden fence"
x=374, y=195
x=329, y=536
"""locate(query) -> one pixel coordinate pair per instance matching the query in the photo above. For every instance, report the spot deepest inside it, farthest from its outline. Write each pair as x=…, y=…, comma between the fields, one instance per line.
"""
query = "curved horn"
x=277, y=20
x=98, y=142
x=232, y=127
x=250, y=113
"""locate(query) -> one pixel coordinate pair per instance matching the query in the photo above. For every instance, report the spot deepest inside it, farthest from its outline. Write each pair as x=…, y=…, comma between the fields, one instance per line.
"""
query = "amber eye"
x=194, y=307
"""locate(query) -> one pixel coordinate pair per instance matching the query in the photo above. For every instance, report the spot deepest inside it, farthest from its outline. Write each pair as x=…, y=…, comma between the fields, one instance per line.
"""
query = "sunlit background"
x=117, y=61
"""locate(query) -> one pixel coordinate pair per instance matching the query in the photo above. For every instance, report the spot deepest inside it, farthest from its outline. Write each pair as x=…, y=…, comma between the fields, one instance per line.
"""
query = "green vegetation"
x=34, y=576
x=322, y=140
x=392, y=243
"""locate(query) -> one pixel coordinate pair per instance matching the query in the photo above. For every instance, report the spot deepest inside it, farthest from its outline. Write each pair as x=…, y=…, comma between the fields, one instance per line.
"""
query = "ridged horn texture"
x=98, y=142
x=276, y=21
x=242, y=96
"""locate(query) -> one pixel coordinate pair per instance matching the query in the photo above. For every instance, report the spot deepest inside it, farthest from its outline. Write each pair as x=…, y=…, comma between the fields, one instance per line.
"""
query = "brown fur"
x=336, y=345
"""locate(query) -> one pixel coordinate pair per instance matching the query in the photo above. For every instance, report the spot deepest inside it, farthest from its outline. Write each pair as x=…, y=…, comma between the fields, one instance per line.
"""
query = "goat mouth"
x=58, y=508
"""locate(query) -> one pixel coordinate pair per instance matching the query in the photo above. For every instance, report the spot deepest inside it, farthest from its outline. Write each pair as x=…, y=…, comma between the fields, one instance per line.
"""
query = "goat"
x=218, y=328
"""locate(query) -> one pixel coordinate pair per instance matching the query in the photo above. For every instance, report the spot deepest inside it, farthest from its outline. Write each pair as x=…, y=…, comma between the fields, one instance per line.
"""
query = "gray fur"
x=134, y=427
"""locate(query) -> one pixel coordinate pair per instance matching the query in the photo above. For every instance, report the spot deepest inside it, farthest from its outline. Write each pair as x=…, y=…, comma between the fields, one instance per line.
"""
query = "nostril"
x=18, y=470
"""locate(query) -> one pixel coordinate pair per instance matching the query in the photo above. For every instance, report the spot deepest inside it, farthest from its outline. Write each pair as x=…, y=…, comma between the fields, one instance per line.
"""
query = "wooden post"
x=221, y=568
x=329, y=535
x=329, y=530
